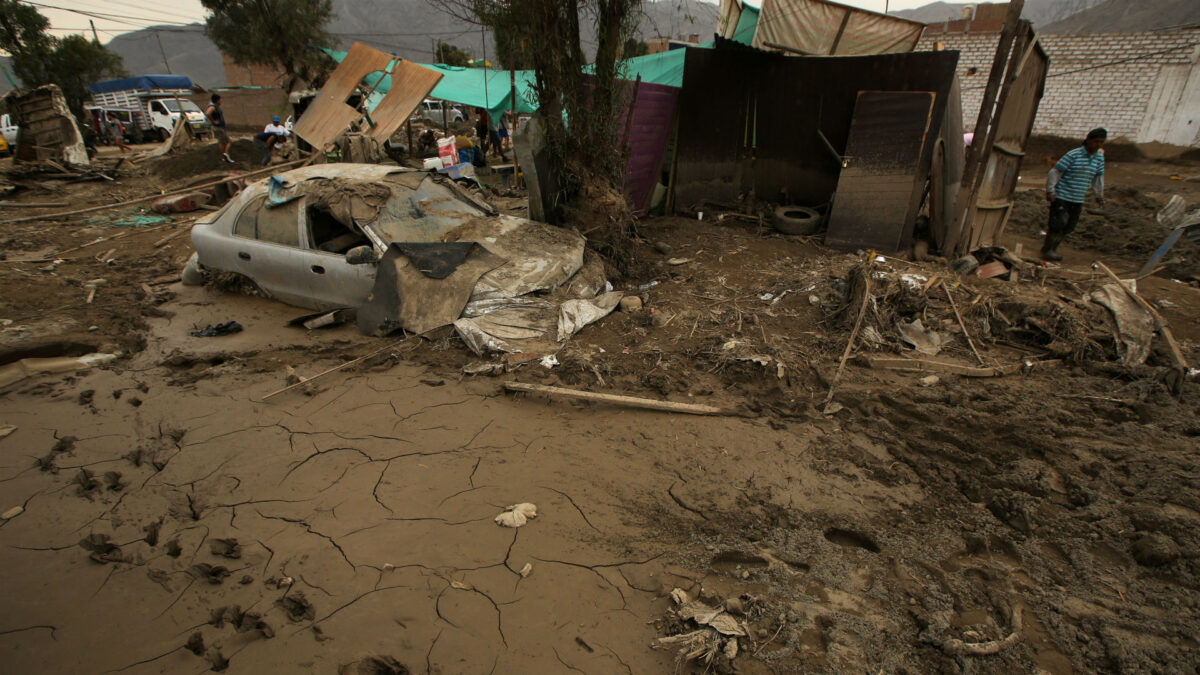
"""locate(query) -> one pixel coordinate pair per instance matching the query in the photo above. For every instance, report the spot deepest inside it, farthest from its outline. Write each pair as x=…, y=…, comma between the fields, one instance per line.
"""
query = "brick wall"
x=258, y=75
x=248, y=109
x=1114, y=96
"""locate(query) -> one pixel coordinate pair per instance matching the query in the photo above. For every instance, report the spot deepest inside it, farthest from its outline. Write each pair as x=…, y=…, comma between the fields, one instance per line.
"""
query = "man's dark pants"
x=1064, y=216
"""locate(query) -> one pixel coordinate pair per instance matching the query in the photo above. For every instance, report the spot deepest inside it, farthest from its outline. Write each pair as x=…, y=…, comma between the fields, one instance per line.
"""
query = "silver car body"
x=289, y=249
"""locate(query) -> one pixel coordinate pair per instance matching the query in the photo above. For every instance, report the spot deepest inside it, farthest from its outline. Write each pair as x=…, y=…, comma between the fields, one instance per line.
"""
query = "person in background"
x=1066, y=186
x=118, y=131
x=264, y=141
x=504, y=130
x=217, y=119
x=482, y=126
x=427, y=144
x=494, y=140
x=276, y=128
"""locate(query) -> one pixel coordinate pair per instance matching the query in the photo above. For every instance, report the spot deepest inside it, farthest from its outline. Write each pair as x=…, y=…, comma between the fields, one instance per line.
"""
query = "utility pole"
x=164, y=54
x=94, y=35
x=432, y=51
x=483, y=39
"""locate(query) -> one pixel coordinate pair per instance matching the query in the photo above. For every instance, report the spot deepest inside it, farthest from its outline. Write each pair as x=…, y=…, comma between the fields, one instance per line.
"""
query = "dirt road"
x=172, y=519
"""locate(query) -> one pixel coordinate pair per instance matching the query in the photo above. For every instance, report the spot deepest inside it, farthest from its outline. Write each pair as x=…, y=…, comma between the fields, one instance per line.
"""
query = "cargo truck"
x=153, y=103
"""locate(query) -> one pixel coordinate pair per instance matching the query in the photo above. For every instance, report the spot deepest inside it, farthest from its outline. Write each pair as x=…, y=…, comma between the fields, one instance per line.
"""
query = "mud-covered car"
x=405, y=248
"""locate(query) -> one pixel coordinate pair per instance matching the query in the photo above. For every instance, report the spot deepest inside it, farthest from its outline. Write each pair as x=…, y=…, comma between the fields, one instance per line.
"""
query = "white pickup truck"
x=153, y=101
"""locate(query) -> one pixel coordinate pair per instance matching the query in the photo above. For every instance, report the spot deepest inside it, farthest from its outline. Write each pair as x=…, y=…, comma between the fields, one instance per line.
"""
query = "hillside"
x=1040, y=12
x=1123, y=16
x=406, y=27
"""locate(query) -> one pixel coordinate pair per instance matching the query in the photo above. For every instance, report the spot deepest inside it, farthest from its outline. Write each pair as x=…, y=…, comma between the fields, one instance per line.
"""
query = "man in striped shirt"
x=1067, y=185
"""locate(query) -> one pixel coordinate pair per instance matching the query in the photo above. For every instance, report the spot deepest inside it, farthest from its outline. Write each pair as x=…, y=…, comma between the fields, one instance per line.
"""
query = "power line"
x=151, y=9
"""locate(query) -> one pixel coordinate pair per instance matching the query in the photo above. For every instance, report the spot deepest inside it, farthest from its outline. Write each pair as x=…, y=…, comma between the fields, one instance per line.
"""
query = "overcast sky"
x=113, y=17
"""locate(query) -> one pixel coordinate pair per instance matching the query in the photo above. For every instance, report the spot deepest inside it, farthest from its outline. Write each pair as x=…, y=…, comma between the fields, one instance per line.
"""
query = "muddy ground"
x=174, y=519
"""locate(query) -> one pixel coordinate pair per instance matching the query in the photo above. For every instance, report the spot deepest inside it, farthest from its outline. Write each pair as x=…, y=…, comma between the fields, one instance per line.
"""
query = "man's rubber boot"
x=1050, y=248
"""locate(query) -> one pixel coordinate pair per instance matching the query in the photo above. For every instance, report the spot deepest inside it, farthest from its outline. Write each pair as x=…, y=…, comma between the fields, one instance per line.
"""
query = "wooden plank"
x=616, y=399
x=328, y=115
x=900, y=121
x=410, y=85
x=928, y=366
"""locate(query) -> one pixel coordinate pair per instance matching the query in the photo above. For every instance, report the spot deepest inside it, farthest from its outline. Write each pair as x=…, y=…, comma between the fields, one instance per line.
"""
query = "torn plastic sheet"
x=573, y=315
x=533, y=324
x=1135, y=326
x=925, y=341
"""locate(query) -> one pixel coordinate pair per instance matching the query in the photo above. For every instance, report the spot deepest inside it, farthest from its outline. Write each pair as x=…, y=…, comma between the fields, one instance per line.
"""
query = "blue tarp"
x=144, y=83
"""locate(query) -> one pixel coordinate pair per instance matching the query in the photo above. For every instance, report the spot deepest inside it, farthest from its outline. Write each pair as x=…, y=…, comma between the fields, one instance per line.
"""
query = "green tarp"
x=491, y=89
x=746, y=25
x=474, y=87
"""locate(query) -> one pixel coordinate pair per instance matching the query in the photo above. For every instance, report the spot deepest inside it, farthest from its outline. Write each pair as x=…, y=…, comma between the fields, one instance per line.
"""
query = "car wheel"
x=192, y=275
x=797, y=220
x=162, y=134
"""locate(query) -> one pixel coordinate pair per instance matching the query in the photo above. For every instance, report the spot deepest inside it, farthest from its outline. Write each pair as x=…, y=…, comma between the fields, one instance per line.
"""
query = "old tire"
x=192, y=275
x=797, y=220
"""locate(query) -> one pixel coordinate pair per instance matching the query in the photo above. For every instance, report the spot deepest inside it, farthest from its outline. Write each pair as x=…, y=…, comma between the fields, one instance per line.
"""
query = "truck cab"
x=164, y=115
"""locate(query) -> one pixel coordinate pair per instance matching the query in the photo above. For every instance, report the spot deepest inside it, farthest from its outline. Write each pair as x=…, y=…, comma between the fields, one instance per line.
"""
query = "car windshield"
x=173, y=106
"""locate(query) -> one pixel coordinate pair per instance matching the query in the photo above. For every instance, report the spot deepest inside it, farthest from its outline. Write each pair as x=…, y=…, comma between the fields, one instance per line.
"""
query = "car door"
x=332, y=281
x=267, y=249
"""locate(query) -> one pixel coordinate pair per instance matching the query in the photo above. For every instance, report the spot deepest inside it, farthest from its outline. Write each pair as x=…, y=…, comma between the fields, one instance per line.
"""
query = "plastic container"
x=646, y=287
x=447, y=151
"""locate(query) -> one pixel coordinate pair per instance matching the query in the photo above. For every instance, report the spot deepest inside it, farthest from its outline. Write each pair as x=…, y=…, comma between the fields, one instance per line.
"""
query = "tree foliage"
x=38, y=58
x=279, y=32
x=634, y=47
x=578, y=114
x=450, y=55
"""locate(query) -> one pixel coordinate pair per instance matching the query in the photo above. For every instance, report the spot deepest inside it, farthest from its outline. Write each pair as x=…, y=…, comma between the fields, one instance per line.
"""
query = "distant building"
x=657, y=45
x=258, y=75
x=1143, y=87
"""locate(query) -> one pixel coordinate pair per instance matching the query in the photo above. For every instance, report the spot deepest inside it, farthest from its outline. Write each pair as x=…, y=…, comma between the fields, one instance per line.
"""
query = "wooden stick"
x=962, y=325
x=34, y=205
x=176, y=193
x=862, y=311
x=334, y=369
x=929, y=366
x=632, y=401
x=1159, y=322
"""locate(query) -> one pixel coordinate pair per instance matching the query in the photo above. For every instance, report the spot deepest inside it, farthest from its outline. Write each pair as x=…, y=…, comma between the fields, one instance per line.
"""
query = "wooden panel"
x=874, y=193
x=1015, y=110
x=328, y=115
x=749, y=121
x=411, y=83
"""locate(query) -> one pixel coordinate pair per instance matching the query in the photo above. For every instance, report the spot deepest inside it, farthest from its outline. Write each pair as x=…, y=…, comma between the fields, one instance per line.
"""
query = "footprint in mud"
x=103, y=550
x=218, y=660
x=151, y=531
x=195, y=643
x=86, y=483
x=112, y=480
x=851, y=539
x=731, y=562
x=226, y=548
x=375, y=665
x=297, y=607
x=215, y=574
x=48, y=462
x=241, y=621
x=173, y=548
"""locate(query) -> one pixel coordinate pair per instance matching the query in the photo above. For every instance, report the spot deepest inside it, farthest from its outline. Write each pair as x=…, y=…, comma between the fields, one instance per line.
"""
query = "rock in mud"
x=1155, y=550
x=630, y=303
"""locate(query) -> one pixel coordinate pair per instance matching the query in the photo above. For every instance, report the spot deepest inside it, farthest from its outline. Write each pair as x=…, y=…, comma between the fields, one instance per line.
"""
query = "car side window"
x=281, y=224
x=244, y=227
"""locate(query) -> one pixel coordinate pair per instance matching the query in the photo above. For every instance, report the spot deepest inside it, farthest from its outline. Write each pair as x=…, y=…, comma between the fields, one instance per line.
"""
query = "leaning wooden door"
x=876, y=191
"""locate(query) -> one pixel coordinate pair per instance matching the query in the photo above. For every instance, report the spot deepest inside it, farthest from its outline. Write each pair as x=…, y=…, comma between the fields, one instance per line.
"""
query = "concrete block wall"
x=1085, y=88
